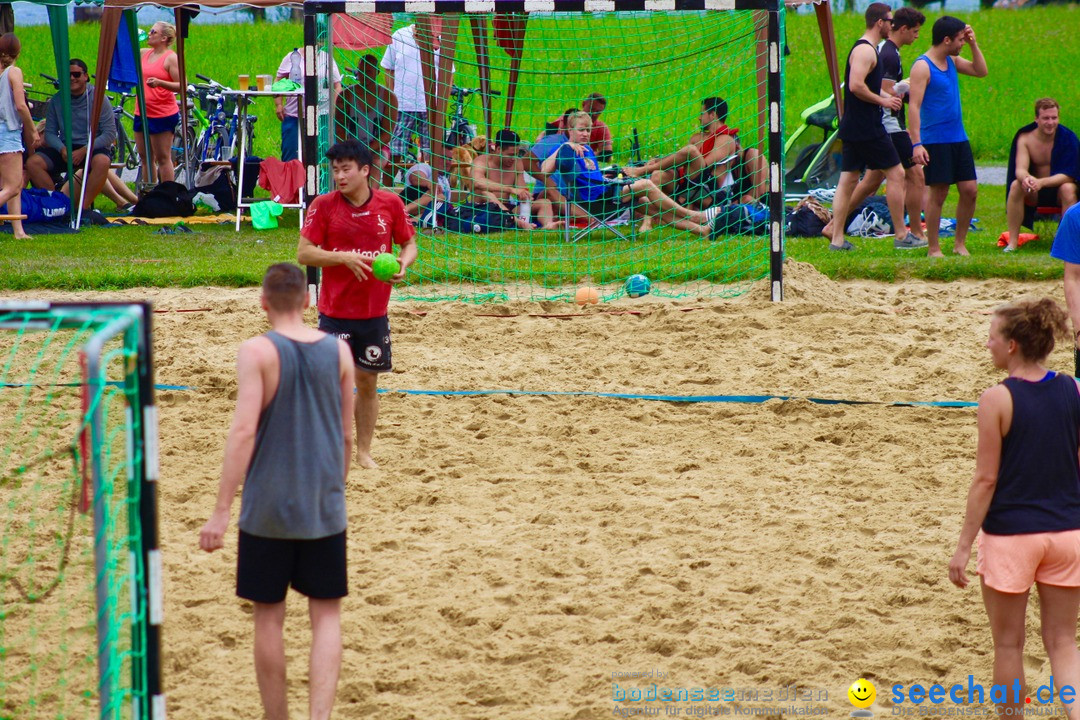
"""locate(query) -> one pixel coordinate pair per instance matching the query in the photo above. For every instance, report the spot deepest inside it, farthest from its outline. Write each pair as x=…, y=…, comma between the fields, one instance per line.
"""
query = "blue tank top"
x=1038, y=484
x=295, y=484
x=940, y=120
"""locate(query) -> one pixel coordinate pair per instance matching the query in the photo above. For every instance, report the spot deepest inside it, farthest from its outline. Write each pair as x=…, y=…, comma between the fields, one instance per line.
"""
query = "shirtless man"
x=1034, y=185
x=717, y=147
x=499, y=178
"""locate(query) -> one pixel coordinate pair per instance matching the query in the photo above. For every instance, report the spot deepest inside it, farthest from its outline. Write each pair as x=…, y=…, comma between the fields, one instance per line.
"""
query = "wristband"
x=915, y=145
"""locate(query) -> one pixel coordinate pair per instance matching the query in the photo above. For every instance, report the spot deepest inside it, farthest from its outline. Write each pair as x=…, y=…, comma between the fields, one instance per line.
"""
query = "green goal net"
x=560, y=146
x=80, y=604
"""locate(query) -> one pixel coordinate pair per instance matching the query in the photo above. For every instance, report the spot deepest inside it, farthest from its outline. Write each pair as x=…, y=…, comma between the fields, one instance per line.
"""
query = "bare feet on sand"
x=364, y=460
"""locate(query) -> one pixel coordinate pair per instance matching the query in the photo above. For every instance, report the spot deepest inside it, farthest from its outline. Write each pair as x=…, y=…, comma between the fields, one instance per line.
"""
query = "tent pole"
x=479, y=29
x=823, y=11
x=189, y=177
x=58, y=26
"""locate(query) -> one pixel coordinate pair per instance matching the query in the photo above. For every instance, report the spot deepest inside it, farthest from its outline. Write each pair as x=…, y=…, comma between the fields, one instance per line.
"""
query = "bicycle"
x=126, y=152
x=219, y=139
x=461, y=131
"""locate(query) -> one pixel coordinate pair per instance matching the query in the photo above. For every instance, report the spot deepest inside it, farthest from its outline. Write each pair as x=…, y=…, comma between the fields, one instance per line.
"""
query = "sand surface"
x=514, y=552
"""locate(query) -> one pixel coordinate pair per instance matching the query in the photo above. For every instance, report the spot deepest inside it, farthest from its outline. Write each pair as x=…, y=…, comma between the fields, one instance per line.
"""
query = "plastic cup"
x=260, y=81
x=244, y=81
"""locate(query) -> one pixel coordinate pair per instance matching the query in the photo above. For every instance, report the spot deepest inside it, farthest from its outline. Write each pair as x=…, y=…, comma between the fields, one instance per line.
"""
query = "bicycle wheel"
x=189, y=168
x=127, y=154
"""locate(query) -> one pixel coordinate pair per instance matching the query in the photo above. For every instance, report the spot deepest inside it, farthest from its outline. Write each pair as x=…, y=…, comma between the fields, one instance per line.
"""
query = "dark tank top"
x=295, y=484
x=862, y=120
x=1038, y=484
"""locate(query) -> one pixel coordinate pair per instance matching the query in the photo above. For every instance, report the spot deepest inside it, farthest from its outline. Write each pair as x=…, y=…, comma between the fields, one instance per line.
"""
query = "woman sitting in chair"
x=587, y=188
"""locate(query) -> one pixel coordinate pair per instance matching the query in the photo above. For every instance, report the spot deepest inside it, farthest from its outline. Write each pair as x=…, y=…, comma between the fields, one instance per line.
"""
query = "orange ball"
x=587, y=296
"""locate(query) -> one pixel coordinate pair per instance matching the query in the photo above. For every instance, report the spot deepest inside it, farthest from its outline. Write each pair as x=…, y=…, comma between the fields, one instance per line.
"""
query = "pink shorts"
x=1013, y=563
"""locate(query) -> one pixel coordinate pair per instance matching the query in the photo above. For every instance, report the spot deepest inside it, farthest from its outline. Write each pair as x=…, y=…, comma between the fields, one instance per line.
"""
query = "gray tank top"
x=295, y=485
x=8, y=115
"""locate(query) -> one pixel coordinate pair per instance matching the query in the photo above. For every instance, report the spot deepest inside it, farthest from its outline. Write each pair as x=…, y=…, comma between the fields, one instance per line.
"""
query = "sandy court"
x=514, y=552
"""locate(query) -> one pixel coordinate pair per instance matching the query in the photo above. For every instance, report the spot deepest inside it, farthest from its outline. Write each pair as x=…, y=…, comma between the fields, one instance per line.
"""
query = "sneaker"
x=847, y=246
x=909, y=243
x=1008, y=249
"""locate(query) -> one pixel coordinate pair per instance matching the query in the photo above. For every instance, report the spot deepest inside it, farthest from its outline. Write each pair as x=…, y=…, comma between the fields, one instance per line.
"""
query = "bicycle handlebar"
x=203, y=77
x=51, y=80
x=465, y=92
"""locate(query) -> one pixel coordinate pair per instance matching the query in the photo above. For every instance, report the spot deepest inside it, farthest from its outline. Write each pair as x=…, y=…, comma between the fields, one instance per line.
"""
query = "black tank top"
x=862, y=120
x=1038, y=484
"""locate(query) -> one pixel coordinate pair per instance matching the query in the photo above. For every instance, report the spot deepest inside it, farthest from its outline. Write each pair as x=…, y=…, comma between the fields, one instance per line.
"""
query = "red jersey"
x=333, y=223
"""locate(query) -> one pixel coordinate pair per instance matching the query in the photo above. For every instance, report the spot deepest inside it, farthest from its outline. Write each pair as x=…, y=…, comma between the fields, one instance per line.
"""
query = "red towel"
x=283, y=180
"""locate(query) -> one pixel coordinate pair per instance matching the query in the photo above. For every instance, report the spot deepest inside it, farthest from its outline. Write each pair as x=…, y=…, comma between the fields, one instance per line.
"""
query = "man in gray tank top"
x=290, y=444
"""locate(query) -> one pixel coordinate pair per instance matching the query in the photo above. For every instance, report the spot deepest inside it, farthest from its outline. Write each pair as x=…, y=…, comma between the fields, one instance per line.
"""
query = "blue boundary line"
x=743, y=399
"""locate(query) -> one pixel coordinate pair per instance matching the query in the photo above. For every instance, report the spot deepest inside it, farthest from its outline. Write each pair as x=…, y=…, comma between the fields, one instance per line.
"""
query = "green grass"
x=877, y=260
x=123, y=257
x=1024, y=50
x=652, y=101
x=661, y=99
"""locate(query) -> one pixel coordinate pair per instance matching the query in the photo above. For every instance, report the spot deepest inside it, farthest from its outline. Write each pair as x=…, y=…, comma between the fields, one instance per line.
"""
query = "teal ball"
x=638, y=285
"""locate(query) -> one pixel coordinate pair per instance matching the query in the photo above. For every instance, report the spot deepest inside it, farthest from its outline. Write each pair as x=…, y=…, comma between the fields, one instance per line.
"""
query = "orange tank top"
x=160, y=102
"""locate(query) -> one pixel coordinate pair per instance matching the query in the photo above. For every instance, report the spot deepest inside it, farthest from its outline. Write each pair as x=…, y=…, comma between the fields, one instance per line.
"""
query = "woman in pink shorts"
x=1026, y=498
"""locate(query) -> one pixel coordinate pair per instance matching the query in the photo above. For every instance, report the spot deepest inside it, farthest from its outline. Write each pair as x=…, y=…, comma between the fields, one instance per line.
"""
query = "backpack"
x=748, y=219
x=808, y=219
x=871, y=217
x=166, y=199
x=486, y=218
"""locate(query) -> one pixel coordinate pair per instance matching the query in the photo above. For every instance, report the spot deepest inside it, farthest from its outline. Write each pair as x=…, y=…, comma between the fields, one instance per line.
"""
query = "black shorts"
x=902, y=142
x=876, y=154
x=609, y=205
x=369, y=340
x=1048, y=197
x=55, y=163
x=950, y=163
x=266, y=567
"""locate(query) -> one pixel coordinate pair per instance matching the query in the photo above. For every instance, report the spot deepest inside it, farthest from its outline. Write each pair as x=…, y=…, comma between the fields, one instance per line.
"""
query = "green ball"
x=385, y=266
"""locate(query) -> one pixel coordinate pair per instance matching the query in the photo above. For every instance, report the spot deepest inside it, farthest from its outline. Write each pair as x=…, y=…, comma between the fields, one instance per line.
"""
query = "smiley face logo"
x=861, y=693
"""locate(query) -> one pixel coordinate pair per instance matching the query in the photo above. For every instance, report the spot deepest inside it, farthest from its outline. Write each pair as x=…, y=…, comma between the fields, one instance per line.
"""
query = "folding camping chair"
x=611, y=220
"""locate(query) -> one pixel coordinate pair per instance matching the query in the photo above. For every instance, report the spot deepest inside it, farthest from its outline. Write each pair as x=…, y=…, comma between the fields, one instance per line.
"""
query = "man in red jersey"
x=343, y=232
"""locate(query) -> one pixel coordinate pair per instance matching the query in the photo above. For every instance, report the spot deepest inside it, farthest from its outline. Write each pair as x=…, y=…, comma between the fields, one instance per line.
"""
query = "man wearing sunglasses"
x=51, y=159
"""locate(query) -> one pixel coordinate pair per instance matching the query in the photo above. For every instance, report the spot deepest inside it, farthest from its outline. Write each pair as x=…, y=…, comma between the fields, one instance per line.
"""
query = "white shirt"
x=292, y=67
x=402, y=58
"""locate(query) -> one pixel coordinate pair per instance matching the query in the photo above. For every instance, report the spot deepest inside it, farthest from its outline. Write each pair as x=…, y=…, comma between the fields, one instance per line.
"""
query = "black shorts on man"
x=369, y=340
x=266, y=567
x=904, y=150
x=950, y=163
x=876, y=154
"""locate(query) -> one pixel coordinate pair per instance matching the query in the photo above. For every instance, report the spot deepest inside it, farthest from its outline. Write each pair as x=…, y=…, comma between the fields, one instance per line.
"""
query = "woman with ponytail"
x=1025, y=497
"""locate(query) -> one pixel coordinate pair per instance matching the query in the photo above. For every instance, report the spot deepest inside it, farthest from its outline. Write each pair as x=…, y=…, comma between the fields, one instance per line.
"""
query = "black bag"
x=744, y=219
x=803, y=222
x=224, y=191
x=487, y=217
x=166, y=199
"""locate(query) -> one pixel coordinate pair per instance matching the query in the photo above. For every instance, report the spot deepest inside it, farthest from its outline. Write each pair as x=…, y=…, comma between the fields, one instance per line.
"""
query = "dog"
x=461, y=160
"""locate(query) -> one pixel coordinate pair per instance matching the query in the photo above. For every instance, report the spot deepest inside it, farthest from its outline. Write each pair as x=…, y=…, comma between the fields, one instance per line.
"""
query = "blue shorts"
x=10, y=140
x=157, y=125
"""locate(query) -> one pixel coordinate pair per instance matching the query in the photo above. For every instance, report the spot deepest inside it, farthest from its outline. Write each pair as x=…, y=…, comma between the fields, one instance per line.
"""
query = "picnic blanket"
x=189, y=220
